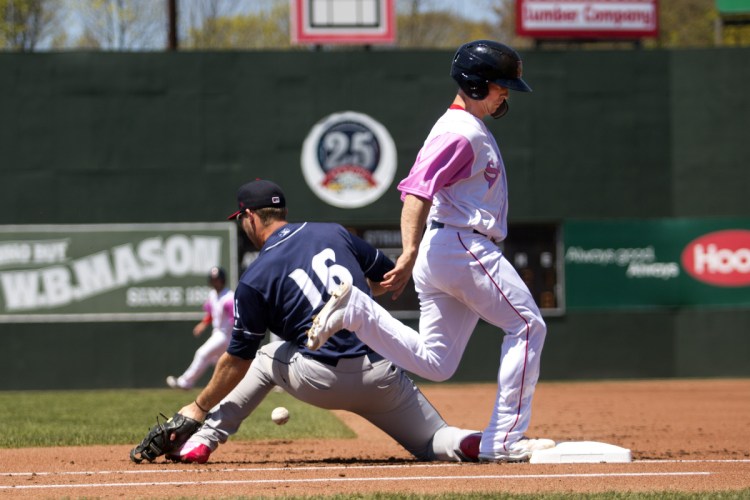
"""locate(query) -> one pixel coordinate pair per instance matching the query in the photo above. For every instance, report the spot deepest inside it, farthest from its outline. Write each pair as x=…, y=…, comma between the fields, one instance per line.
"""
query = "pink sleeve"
x=229, y=308
x=207, y=307
x=441, y=162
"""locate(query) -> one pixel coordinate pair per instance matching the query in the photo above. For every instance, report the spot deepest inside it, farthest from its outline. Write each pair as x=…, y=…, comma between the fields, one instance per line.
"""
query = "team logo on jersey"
x=348, y=159
x=491, y=173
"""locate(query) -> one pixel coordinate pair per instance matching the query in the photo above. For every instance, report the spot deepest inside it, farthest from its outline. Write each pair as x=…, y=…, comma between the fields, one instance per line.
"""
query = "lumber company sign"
x=113, y=272
x=587, y=19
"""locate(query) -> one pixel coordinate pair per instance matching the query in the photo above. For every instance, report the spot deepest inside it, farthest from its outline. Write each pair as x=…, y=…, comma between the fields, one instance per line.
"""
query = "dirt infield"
x=686, y=435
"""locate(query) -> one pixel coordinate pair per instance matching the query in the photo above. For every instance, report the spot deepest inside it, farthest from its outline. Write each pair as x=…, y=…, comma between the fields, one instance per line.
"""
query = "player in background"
x=457, y=188
x=219, y=308
x=297, y=267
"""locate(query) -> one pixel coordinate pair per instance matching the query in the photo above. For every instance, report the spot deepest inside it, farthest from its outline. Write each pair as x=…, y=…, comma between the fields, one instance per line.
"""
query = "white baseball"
x=280, y=415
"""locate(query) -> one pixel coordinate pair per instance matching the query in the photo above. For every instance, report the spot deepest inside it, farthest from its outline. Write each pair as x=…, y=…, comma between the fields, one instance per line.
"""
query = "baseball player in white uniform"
x=219, y=308
x=457, y=187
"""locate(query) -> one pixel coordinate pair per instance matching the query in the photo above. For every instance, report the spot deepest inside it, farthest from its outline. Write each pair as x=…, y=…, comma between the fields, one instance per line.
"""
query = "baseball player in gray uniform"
x=299, y=264
x=457, y=188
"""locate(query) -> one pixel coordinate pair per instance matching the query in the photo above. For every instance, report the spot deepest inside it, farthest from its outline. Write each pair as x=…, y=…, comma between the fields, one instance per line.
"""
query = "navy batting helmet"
x=482, y=61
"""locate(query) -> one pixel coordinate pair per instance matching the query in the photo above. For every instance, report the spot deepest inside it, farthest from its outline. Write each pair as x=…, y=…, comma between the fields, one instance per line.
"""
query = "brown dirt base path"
x=685, y=435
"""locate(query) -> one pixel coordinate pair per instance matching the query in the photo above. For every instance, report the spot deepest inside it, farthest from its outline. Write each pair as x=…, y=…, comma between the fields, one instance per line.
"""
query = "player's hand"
x=397, y=278
x=199, y=329
x=193, y=411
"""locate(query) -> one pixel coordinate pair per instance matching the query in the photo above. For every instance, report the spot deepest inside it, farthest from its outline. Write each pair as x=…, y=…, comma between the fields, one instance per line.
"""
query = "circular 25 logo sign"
x=348, y=159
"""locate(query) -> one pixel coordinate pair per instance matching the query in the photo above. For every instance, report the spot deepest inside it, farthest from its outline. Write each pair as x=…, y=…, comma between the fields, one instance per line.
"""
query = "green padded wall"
x=160, y=137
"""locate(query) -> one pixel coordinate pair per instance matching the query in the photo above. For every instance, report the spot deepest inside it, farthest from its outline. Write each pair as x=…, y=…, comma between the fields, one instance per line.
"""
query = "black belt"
x=372, y=356
x=439, y=225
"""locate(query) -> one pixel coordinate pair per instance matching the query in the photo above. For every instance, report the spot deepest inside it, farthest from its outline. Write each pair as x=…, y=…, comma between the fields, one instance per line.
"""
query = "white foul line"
x=347, y=479
x=707, y=461
x=207, y=469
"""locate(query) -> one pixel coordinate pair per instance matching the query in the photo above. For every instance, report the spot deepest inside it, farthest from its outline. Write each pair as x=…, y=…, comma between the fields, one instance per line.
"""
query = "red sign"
x=587, y=19
x=721, y=258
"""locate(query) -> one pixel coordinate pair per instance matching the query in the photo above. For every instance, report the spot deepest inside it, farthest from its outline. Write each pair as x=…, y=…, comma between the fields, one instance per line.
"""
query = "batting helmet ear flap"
x=501, y=110
x=474, y=86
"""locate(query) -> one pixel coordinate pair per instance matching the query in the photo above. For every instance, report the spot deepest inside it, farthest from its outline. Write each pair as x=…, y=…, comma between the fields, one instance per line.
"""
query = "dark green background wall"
x=104, y=138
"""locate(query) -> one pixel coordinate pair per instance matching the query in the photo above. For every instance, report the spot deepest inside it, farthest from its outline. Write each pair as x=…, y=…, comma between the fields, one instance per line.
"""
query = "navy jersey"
x=290, y=281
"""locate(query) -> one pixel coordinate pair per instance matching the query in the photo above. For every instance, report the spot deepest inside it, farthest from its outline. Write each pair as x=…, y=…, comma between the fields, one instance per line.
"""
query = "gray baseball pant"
x=369, y=386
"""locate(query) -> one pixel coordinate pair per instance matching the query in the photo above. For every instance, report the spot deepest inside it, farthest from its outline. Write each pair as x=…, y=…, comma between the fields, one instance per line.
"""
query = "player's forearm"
x=376, y=288
x=413, y=218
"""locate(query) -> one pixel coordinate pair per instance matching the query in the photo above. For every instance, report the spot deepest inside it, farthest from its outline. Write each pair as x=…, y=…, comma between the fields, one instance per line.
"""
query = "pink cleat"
x=192, y=453
x=469, y=447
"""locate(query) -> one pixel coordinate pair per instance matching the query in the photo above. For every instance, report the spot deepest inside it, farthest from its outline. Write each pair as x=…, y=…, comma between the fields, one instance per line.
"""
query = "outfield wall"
x=97, y=138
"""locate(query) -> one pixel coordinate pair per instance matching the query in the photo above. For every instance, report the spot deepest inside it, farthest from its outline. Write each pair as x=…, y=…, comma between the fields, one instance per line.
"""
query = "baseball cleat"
x=192, y=453
x=520, y=451
x=330, y=319
x=469, y=447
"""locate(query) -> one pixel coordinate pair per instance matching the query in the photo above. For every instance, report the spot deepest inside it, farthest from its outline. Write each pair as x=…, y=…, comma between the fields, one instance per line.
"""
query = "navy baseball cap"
x=258, y=194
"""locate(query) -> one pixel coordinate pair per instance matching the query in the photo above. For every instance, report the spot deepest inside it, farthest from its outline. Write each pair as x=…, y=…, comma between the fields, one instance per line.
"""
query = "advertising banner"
x=660, y=262
x=111, y=272
x=587, y=19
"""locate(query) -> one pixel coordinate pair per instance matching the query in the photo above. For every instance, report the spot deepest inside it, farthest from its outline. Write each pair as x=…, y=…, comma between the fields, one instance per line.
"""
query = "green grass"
x=78, y=418
x=662, y=495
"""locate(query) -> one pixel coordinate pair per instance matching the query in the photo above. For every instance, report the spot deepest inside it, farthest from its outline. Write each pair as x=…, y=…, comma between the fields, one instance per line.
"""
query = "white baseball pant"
x=462, y=276
x=205, y=357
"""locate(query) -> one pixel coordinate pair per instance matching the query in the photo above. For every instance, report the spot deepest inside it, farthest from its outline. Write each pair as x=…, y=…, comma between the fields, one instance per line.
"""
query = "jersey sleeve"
x=229, y=306
x=250, y=322
x=442, y=161
x=373, y=262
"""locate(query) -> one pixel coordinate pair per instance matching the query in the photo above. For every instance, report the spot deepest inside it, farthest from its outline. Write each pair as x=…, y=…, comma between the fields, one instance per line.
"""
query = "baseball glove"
x=165, y=437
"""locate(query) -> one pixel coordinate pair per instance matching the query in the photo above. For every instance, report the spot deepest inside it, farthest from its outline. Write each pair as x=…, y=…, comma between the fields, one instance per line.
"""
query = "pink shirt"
x=221, y=308
x=460, y=169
